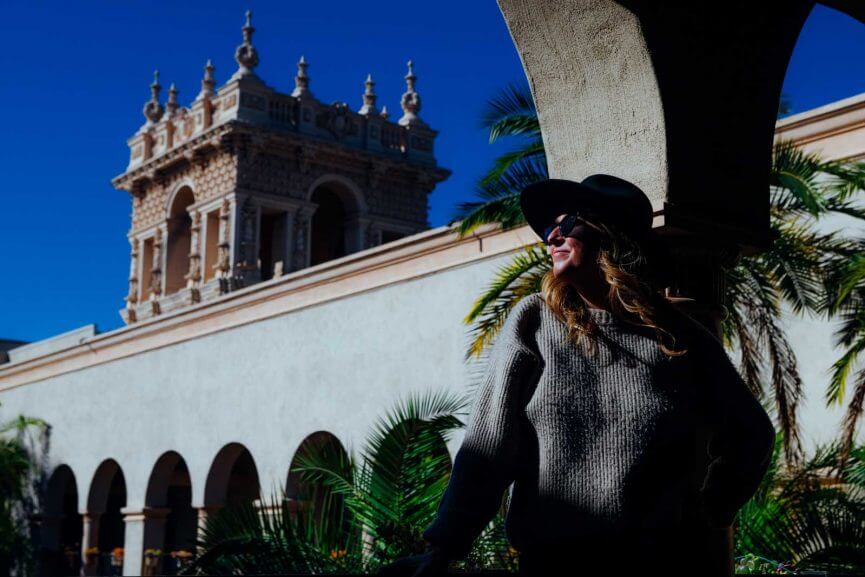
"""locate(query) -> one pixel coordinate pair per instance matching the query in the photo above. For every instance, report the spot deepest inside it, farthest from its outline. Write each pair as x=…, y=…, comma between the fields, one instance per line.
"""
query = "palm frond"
x=511, y=112
x=517, y=279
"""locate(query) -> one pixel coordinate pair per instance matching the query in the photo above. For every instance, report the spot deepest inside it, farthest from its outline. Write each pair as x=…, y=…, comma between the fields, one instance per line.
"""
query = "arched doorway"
x=107, y=528
x=171, y=522
x=179, y=240
x=61, y=528
x=318, y=505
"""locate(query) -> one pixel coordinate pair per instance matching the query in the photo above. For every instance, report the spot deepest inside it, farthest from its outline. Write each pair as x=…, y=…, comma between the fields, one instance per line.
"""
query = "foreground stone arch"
x=681, y=98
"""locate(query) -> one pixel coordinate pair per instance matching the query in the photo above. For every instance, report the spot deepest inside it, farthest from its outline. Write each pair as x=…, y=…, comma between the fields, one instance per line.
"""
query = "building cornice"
x=835, y=130
x=212, y=138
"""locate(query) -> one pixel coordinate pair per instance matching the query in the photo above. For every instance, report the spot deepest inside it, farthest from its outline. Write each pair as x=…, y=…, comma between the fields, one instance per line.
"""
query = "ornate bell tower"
x=248, y=184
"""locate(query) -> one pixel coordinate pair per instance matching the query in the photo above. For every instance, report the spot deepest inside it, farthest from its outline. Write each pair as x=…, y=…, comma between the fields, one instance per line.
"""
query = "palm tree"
x=798, y=517
x=794, y=271
x=17, y=469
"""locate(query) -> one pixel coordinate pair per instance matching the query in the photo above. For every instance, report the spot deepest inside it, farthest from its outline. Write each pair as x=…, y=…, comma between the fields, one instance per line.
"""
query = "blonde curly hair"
x=634, y=295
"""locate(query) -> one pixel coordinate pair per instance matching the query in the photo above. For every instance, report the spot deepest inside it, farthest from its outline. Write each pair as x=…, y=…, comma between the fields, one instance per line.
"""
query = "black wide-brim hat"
x=611, y=199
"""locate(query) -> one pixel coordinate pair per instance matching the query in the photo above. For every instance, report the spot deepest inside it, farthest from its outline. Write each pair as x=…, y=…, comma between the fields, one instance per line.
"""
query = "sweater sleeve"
x=741, y=439
x=486, y=461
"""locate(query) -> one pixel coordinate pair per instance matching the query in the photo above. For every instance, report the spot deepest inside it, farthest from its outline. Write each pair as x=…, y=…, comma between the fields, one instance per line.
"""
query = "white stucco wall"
x=335, y=367
x=813, y=342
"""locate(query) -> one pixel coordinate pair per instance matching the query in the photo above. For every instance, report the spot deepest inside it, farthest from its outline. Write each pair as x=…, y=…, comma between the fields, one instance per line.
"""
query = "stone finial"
x=246, y=55
x=153, y=109
x=301, y=81
x=172, y=105
x=410, y=101
x=208, y=83
x=368, y=107
x=384, y=113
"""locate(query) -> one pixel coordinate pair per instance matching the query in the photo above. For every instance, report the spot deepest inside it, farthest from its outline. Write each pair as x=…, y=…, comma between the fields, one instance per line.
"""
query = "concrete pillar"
x=267, y=510
x=89, y=540
x=133, y=540
x=204, y=512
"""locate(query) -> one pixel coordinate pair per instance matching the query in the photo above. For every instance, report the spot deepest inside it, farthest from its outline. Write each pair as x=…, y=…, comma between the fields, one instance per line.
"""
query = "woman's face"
x=573, y=253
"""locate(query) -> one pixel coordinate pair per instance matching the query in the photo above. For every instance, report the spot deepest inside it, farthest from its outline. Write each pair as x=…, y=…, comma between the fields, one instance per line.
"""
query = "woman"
x=626, y=431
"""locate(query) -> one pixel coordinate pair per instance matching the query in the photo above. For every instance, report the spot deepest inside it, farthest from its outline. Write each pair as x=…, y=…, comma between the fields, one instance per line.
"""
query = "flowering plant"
x=181, y=554
x=750, y=564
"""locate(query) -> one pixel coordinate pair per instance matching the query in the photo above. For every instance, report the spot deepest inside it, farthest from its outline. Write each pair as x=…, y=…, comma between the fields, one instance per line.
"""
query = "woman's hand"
x=432, y=563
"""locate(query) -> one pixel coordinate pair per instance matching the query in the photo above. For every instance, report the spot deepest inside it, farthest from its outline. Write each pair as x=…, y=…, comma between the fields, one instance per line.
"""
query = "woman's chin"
x=566, y=269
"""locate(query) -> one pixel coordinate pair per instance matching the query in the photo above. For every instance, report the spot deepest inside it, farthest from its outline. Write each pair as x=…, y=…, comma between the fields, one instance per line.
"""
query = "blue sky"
x=76, y=75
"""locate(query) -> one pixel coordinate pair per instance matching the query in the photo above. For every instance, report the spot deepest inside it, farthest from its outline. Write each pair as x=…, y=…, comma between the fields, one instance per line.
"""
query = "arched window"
x=179, y=241
x=327, y=238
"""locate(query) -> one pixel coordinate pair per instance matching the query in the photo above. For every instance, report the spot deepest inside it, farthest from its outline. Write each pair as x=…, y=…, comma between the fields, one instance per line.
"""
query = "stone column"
x=245, y=269
x=267, y=510
x=204, y=512
x=157, y=284
x=89, y=539
x=223, y=260
x=132, y=297
x=606, y=78
x=133, y=540
x=372, y=235
x=288, y=241
x=193, y=276
x=301, y=243
x=356, y=229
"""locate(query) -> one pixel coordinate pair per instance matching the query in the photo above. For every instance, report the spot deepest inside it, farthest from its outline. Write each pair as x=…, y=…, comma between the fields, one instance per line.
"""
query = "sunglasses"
x=565, y=227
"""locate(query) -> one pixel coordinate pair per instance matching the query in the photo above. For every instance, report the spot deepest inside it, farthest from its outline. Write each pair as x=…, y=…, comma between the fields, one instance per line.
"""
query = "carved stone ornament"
x=304, y=159
x=246, y=55
x=336, y=119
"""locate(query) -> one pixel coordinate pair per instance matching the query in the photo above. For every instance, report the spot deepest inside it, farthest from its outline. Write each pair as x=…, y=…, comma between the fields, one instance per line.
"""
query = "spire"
x=410, y=101
x=368, y=97
x=301, y=81
x=172, y=105
x=246, y=54
x=152, y=109
x=208, y=84
x=384, y=113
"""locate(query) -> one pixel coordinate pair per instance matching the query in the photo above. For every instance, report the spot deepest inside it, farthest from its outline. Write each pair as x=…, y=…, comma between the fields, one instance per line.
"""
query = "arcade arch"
x=324, y=508
x=61, y=526
x=171, y=522
x=105, y=530
x=232, y=479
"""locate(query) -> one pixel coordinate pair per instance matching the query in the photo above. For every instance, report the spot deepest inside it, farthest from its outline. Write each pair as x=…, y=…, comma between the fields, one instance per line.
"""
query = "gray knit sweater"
x=627, y=439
